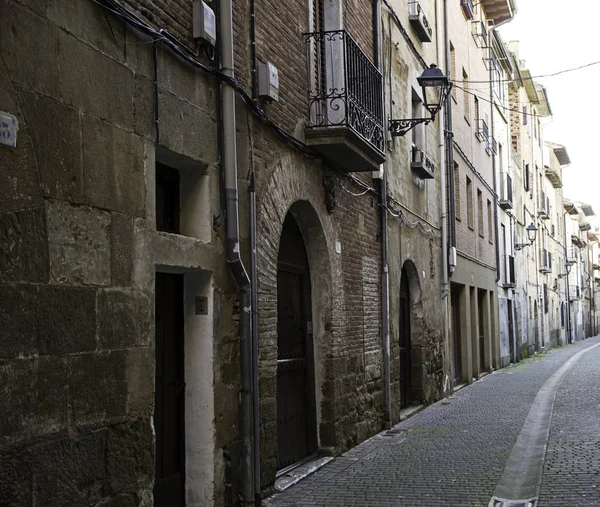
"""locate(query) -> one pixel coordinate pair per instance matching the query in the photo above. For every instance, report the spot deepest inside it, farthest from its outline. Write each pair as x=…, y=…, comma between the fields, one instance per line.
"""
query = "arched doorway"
x=296, y=413
x=405, y=342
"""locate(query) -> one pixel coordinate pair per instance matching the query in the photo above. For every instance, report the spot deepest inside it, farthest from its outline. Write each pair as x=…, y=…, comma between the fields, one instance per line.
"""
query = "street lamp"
x=531, y=234
x=436, y=87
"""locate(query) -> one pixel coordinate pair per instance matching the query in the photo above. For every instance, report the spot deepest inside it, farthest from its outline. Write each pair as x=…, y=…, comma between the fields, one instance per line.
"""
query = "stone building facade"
x=203, y=283
x=121, y=342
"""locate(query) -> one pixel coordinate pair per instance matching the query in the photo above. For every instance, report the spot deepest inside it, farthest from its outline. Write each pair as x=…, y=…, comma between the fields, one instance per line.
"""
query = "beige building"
x=473, y=217
x=529, y=105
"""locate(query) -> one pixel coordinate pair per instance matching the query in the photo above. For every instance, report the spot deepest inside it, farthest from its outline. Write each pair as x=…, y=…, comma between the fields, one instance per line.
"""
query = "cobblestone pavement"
x=572, y=466
x=453, y=453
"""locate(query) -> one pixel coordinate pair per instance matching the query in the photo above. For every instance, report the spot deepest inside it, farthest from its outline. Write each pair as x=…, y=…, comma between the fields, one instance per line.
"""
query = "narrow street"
x=455, y=453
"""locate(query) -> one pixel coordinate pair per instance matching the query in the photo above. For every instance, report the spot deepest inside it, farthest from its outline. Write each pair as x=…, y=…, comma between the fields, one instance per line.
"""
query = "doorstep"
x=405, y=413
x=297, y=473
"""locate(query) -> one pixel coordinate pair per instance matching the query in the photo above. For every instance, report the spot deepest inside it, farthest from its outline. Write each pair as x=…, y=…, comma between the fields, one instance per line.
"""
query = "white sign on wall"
x=8, y=129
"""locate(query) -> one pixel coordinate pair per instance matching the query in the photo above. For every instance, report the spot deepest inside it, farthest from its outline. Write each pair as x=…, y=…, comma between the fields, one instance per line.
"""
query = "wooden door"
x=169, y=392
x=405, y=343
x=480, y=299
x=296, y=414
x=456, y=335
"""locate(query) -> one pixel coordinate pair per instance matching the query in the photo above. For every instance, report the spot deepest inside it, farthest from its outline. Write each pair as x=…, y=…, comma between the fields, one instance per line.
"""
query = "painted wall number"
x=8, y=129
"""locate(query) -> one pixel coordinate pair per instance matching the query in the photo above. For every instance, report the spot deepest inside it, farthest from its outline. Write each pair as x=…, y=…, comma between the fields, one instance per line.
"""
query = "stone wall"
x=79, y=250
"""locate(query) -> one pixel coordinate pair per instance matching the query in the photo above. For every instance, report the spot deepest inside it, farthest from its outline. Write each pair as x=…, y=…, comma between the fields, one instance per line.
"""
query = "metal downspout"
x=443, y=208
x=449, y=139
x=254, y=301
x=234, y=259
x=385, y=280
x=495, y=181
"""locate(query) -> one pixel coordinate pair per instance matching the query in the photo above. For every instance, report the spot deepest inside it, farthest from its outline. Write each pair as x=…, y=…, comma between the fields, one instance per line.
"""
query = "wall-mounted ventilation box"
x=268, y=81
x=205, y=23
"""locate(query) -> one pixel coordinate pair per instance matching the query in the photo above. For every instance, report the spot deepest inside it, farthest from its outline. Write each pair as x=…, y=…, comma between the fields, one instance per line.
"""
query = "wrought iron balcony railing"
x=543, y=206
x=506, y=194
x=480, y=34
x=482, y=132
x=574, y=292
x=491, y=146
x=344, y=91
x=509, y=271
x=418, y=20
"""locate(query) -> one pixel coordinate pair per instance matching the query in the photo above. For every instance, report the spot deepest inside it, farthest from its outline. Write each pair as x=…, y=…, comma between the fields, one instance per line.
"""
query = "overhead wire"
x=540, y=76
x=509, y=109
x=163, y=36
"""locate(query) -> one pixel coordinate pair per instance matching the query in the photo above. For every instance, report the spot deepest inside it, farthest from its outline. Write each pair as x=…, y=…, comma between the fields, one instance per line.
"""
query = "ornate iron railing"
x=344, y=87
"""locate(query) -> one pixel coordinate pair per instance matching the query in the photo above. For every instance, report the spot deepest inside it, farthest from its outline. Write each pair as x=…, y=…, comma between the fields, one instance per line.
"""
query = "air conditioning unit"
x=422, y=164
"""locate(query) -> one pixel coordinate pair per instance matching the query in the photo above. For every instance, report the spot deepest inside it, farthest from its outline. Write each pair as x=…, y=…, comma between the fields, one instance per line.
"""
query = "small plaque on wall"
x=201, y=305
x=8, y=129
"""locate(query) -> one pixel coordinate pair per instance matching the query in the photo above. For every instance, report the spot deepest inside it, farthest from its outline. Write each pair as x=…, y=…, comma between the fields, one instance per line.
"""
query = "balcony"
x=543, y=210
x=498, y=10
x=345, y=102
x=419, y=22
x=480, y=34
x=421, y=164
x=572, y=255
x=509, y=281
x=545, y=262
x=574, y=292
x=553, y=175
x=482, y=132
x=506, y=196
x=468, y=8
x=491, y=146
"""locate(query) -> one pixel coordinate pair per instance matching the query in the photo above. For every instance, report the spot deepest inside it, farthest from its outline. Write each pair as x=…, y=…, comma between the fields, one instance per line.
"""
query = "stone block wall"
x=78, y=248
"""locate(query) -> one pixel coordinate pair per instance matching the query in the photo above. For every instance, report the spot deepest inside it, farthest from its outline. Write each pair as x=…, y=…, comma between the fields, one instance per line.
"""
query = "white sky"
x=555, y=35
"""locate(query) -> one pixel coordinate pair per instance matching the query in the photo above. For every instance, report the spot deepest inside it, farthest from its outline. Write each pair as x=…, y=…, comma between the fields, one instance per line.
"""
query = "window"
x=457, y=190
x=467, y=97
x=526, y=177
x=167, y=199
x=524, y=115
x=418, y=132
x=490, y=221
x=469, y=203
x=480, y=212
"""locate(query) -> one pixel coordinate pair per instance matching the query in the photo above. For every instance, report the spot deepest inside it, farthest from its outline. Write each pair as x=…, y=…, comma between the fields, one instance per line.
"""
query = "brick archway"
x=296, y=188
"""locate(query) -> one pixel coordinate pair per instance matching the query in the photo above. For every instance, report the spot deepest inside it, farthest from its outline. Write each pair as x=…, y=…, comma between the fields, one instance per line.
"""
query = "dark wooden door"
x=511, y=332
x=481, y=331
x=169, y=392
x=456, y=336
x=405, y=343
x=296, y=414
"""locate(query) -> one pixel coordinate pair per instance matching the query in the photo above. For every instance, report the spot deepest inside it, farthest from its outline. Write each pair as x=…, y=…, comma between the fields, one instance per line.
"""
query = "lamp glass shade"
x=435, y=86
x=531, y=232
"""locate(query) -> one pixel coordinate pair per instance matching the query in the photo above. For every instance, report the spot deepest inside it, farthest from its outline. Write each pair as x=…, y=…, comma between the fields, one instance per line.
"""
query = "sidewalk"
x=451, y=454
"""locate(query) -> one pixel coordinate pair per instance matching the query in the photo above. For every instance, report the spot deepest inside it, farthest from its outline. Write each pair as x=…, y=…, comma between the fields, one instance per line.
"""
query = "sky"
x=555, y=35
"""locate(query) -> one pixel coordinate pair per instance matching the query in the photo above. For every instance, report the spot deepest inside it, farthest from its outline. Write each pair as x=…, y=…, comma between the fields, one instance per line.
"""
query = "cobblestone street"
x=454, y=452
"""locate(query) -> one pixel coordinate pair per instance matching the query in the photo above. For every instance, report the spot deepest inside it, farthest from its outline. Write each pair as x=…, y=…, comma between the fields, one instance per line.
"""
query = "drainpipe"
x=443, y=214
x=495, y=182
x=254, y=300
x=385, y=276
x=449, y=140
x=253, y=49
x=234, y=259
